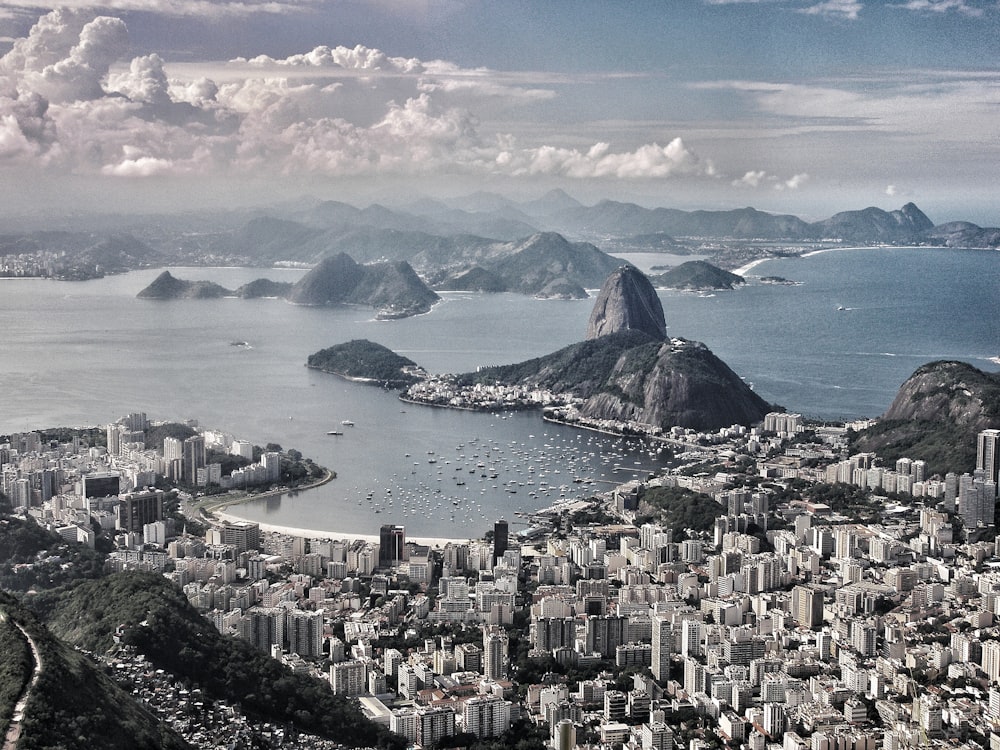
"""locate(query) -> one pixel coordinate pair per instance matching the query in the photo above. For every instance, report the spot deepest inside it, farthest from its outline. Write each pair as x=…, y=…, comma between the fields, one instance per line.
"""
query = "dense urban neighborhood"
x=770, y=589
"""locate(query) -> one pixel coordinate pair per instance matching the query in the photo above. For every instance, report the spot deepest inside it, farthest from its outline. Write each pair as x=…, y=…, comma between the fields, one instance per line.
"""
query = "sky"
x=791, y=106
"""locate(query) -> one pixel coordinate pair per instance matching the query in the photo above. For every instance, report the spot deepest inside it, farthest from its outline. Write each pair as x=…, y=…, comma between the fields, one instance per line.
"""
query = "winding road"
x=14, y=730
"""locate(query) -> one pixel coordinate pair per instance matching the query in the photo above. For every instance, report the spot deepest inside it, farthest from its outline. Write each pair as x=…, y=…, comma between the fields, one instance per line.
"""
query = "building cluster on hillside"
x=789, y=624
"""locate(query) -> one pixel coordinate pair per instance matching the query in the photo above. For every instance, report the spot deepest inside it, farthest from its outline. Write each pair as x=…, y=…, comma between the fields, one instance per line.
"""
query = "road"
x=14, y=730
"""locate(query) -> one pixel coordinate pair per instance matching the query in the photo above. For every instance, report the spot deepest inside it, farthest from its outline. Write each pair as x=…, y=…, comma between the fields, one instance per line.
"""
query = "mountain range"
x=445, y=240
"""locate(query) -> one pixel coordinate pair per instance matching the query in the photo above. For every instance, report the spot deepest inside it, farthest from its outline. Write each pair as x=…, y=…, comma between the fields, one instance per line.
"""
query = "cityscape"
x=866, y=621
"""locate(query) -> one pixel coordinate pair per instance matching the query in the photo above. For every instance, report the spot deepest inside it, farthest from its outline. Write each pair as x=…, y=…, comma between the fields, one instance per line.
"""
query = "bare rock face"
x=678, y=383
x=627, y=302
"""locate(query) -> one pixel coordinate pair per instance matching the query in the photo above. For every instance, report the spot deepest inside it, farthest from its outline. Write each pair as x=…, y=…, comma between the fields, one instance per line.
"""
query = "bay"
x=84, y=353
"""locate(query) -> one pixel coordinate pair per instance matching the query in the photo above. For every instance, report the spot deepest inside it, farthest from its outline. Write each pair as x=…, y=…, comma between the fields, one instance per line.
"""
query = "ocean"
x=836, y=346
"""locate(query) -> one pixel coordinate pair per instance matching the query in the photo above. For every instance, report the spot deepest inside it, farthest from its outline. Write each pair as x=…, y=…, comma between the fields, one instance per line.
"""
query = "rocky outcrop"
x=631, y=376
x=953, y=393
x=627, y=302
x=936, y=416
x=393, y=288
x=685, y=384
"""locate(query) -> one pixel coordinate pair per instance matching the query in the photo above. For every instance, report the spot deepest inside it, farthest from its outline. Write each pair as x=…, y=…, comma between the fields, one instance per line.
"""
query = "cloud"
x=757, y=178
x=840, y=9
x=195, y=8
x=750, y=179
x=941, y=6
x=793, y=183
x=67, y=105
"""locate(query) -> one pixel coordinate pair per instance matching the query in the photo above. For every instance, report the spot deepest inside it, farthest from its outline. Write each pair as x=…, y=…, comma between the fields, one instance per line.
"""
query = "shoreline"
x=223, y=514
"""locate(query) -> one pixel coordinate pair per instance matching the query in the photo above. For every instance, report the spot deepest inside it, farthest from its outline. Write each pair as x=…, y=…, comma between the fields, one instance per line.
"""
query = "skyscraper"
x=495, y=647
x=988, y=455
x=663, y=647
x=194, y=458
x=500, y=539
x=391, y=545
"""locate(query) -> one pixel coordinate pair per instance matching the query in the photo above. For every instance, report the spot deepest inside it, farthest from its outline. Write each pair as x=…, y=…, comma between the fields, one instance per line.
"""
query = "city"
x=820, y=600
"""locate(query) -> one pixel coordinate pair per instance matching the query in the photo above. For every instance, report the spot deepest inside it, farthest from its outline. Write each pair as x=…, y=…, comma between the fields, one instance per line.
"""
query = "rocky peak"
x=627, y=302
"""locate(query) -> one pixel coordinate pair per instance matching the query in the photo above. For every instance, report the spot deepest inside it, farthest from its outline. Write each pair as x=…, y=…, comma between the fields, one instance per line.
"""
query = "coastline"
x=225, y=515
x=746, y=268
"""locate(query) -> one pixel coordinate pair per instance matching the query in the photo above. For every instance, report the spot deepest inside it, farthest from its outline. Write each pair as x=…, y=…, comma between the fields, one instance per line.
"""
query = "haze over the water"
x=793, y=106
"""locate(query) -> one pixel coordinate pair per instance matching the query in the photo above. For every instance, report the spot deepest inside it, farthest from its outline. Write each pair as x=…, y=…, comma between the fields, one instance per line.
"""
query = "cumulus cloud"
x=942, y=6
x=841, y=9
x=758, y=178
x=333, y=111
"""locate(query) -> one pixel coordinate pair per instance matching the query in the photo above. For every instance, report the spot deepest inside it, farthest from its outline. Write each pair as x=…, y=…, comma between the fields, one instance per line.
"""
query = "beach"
x=327, y=534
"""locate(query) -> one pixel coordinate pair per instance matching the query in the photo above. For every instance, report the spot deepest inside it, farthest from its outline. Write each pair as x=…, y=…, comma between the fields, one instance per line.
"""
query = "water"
x=85, y=353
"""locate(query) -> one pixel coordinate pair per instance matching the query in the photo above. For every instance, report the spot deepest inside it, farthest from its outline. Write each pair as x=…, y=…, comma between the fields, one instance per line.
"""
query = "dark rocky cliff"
x=627, y=302
x=936, y=416
x=684, y=384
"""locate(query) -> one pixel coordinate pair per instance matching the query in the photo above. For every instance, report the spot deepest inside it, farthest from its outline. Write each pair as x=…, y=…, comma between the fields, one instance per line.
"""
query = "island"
x=365, y=361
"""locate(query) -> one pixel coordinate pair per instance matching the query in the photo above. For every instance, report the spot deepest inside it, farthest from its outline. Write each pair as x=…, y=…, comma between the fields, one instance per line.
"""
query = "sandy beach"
x=327, y=534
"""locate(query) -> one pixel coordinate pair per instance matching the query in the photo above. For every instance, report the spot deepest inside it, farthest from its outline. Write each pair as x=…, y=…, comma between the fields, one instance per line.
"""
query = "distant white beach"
x=324, y=534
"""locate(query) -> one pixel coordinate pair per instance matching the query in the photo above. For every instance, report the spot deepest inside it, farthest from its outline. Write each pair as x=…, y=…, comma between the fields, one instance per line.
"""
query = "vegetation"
x=32, y=558
x=698, y=274
x=367, y=360
x=581, y=368
x=678, y=508
x=156, y=618
x=944, y=446
x=73, y=702
x=15, y=669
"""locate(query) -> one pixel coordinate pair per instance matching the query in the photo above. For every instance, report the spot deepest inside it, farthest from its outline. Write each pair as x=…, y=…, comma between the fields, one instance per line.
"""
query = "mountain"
x=627, y=301
x=870, y=225
x=698, y=274
x=550, y=203
x=629, y=219
x=545, y=262
x=627, y=369
x=167, y=286
x=631, y=376
x=153, y=616
x=936, y=416
x=964, y=234
x=394, y=288
x=73, y=704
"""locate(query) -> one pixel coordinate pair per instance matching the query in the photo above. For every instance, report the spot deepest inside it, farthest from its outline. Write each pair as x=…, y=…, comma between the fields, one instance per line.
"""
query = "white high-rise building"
x=663, y=647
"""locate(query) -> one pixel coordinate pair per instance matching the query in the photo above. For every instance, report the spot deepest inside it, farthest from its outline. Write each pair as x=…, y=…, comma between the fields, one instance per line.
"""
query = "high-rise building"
x=267, y=627
x=988, y=455
x=136, y=509
x=486, y=716
x=500, y=539
x=242, y=534
x=495, y=648
x=305, y=633
x=807, y=606
x=434, y=724
x=663, y=647
x=349, y=677
x=194, y=458
x=391, y=545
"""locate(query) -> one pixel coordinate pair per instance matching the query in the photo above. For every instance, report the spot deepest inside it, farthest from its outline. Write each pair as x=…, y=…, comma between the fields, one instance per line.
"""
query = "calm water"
x=85, y=353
